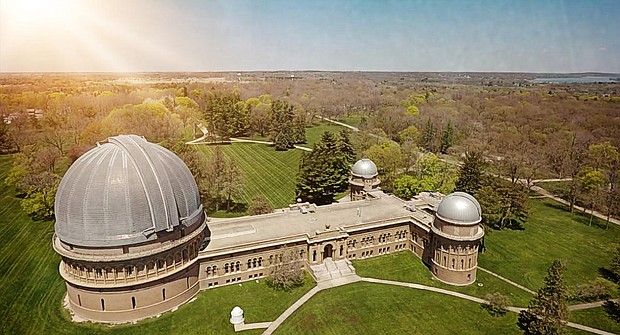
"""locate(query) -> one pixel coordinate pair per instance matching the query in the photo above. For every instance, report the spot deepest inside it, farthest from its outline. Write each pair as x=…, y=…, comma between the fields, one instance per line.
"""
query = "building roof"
x=295, y=224
x=459, y=208
x=125, y=191
x=364, y=168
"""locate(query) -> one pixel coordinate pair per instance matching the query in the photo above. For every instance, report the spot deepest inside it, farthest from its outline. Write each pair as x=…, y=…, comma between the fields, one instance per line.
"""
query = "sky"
x=345, y=35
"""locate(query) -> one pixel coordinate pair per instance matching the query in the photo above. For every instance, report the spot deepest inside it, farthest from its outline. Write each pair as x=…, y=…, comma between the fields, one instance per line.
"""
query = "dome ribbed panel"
x=183, y=185
x=123, y=192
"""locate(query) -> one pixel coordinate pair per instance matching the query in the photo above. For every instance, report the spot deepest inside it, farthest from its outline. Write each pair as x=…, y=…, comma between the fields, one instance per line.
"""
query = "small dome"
x=124, y=192
x=364, y=168
x=460, y=207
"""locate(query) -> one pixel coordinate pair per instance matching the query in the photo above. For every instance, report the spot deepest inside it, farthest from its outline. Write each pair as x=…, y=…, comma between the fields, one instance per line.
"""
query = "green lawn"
x=353, y=120
x=597, y=318
x=550, y=233
x=265, y=170
x=31, y=290
x=366, y=308
x=406, y=267
x=313, y=134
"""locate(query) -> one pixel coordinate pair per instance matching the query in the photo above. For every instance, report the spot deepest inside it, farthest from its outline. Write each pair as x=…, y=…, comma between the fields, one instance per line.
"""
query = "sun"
x=24, y=15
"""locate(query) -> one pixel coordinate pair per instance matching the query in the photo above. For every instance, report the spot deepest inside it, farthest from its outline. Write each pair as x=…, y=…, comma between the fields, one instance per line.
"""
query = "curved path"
x=271, y=327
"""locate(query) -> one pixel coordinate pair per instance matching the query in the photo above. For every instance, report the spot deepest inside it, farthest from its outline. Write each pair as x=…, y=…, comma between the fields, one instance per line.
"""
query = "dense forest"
x=417, y=127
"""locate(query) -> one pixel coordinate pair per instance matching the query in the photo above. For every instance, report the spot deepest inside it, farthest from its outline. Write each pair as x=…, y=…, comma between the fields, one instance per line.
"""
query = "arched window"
x=163, y=294
x=214, y=270
x=453, y=263
x=185, y=255
x=255, y=262
x=226, y=268
x=444, y=261
x=260, y=261
x=237, y=266
x=341, y=250
x=102, y=305
x=462, y=264
x=160, y=263
x=469, y=260
x=250, y=263
x=314, y=256
x=79, y=300
x=133, y=302
x=208, y=271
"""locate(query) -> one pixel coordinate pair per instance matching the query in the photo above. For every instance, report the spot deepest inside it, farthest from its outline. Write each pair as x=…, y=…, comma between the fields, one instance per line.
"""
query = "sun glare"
x=25, y=15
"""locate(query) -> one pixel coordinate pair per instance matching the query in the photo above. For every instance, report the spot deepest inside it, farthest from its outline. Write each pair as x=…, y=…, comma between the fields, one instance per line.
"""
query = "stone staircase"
x=331, y=269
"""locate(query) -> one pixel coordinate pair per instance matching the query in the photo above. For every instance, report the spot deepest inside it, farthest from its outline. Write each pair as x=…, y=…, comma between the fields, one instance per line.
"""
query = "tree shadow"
x=608, y=274
x=580, y=216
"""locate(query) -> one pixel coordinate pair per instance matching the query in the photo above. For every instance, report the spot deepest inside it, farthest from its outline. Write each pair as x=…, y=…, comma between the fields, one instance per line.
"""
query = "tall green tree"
x=447, y=138
x=547, y=312
x=470, y=173
x=40, y=195
x=282, y=130
x=226, y=114
x=324, y=171
x=606, y=157
x=590, y=181
x=504, y=204
x=428, y=136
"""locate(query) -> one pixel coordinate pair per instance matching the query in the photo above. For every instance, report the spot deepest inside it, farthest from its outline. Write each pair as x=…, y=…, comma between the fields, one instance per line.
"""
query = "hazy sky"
x=161, y=35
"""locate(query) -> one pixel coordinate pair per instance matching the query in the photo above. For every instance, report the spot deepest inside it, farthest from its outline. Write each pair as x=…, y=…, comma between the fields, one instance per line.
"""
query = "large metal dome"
x=460, y=208
x=364, y=168
x=125, y=191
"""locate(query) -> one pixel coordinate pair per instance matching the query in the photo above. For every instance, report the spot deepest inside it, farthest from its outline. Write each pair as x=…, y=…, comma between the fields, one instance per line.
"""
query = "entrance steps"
x=331, y=269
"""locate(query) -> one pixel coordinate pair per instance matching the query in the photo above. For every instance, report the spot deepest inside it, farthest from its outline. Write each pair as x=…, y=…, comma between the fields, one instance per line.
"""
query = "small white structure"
x=236, y=316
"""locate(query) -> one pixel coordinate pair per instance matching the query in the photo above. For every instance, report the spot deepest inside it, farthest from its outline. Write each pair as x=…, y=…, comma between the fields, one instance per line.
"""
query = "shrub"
x=497, y=303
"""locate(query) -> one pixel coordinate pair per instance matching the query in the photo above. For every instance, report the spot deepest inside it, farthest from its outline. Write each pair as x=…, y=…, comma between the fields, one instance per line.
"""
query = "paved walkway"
x=319, y=287
x=507, y=280
x=589, y=305
x=547, y=194
x=271, y=327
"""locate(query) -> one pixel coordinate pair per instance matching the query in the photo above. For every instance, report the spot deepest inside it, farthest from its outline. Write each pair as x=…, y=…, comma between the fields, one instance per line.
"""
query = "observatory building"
x=135, y=241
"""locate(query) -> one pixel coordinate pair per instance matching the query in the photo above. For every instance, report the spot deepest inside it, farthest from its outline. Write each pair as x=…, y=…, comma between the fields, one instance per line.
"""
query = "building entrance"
x=328, y=251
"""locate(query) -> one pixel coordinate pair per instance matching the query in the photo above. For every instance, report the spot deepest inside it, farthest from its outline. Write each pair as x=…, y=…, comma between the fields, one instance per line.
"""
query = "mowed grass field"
x=367, y=308
x=550, y=233
x=406, y=267
x=265, y=171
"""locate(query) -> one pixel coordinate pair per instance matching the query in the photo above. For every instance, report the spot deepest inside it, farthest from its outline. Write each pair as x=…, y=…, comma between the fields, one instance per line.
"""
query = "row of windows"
x=252, y=263
x=133, y=271
x=455, y=264
x=134, y=302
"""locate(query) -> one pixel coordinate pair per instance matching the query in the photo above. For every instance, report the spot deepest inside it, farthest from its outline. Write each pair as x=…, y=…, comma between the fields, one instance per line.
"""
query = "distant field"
x=265, y=170
x=550, y=233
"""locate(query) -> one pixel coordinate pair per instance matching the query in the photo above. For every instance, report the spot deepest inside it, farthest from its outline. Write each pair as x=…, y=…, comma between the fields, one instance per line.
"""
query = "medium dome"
x=459, y=207
x=364, y=168
x=125, y=191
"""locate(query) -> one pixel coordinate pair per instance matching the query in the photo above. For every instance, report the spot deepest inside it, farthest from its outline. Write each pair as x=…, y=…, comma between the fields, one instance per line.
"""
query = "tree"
x=286, y=271
x=406, y=186
x=281, y=125
x=606, y=157
x=547, y=312
x=226, y=114
x=447, y=138
x=40, y=195
x=590, y=181
x=260, y=205
x=470, y=174
x=504, y=204
x=428, y=136
x=614, y=264
x=496, y=304
x=388, y=157
x=223, y=179
x=324, y=171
